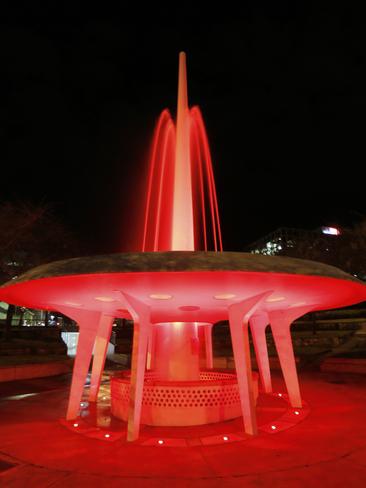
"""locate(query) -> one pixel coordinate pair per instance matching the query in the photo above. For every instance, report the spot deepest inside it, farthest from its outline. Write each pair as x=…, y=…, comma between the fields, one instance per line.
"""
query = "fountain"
x=175, y=293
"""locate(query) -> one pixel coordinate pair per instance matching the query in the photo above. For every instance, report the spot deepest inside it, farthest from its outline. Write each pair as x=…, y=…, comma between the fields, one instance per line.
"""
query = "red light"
x=160, y=442
x=107, y=435
x=76, y=425
x=296, y=412
x=225, y=438
x=273, y=427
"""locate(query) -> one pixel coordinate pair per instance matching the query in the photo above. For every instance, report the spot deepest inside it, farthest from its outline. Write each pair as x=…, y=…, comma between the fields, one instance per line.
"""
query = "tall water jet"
x=181, y=174
x=182, y=224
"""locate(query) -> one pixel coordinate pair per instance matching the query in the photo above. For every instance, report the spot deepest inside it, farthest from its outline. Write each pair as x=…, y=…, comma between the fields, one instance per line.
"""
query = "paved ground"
x=326, y=449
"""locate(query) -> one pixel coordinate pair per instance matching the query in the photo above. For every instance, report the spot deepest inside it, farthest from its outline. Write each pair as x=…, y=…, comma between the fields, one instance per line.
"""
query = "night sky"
x=281, y=88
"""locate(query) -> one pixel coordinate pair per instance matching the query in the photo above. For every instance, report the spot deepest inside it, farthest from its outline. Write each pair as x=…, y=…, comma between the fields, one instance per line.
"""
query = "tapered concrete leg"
x=258, y=324
x=100, y=353
x=239, y=314
x=280, y=325
x=88, y=325
x=208, y=346
x=141, y=316
x=282, y=339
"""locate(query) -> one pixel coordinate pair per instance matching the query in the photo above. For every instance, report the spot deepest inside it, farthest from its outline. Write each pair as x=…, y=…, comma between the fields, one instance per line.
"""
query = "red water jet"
x=181, y=205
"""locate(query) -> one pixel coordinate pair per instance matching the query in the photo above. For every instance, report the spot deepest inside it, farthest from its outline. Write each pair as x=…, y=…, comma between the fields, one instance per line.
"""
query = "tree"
x=30, y=235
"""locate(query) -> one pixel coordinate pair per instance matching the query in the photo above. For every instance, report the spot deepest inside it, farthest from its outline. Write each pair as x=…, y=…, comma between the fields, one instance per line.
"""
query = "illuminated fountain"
x=175, y=293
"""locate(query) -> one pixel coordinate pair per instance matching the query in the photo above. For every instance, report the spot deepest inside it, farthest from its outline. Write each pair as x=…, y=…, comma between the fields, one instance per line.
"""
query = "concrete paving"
x=327, y=448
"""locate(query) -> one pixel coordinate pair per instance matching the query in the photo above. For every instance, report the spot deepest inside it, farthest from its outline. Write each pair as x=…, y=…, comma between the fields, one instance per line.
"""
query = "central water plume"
x=181, y=211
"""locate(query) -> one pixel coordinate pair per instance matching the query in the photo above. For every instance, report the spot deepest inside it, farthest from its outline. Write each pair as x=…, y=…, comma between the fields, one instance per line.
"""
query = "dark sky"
x=281, y=88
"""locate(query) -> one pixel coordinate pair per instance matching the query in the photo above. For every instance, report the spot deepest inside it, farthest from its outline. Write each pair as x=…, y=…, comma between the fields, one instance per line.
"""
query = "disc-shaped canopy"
x=182, y=285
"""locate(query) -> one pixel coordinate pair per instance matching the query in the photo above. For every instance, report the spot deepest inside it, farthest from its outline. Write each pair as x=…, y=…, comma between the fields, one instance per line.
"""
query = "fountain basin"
x=213, y=398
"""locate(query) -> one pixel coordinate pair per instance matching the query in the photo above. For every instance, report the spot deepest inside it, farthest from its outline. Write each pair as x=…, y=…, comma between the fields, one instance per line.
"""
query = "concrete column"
x=281, y=321
x=177, y=351
x=239, y=314
x=100, y=353
x=258, y=324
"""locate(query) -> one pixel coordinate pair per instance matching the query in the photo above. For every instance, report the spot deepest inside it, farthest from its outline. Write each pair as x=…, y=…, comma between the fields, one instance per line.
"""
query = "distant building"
x=288, y=239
